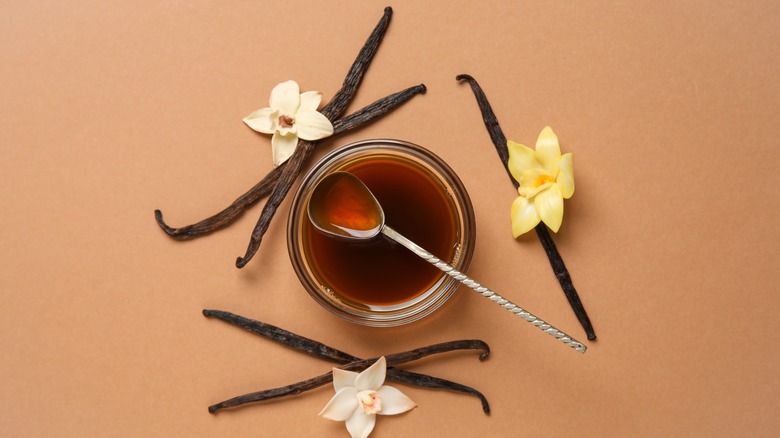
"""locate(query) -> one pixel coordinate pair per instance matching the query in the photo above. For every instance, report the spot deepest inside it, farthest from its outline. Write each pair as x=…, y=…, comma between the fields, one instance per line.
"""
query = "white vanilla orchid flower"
x=360, y=397
x=291, y=116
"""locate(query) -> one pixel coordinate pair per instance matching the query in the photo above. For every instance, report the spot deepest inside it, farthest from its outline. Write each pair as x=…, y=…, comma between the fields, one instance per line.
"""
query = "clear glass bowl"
x=460, y=210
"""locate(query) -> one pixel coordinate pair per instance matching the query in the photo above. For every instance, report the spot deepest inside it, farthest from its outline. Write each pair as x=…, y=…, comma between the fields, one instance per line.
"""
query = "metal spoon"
x=343, y=207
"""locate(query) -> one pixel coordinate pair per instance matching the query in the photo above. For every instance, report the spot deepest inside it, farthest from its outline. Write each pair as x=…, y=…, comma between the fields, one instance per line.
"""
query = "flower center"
x=541, y=180
x=285, y=121
x=370, y=402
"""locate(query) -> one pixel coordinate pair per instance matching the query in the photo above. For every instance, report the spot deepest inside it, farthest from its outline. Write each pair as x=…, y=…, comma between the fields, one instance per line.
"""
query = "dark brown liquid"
x=382, y=272
x=341, y=204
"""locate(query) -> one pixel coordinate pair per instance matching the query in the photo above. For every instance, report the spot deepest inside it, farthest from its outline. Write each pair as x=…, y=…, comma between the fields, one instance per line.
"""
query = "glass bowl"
x=382, y=284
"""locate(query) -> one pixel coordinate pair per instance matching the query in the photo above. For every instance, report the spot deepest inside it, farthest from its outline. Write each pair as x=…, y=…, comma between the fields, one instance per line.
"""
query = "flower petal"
x=343, y=378
x=262, y=120
x=394, y=401
x=521, y=157
x=524, y=216
x=283, y=146
x=360, y=425
x=566, y=175
x=372, y=377
x=548, y=151
x=310, y=101
x=342, y=406
x=549, y=206
x=312, y=125
x=285, y=97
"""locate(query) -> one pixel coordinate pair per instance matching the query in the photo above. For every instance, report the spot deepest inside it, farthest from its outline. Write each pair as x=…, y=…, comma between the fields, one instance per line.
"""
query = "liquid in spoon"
x=343, y=205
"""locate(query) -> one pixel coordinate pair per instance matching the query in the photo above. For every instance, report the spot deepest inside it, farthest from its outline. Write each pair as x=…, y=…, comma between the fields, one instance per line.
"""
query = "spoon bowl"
x=341, y=206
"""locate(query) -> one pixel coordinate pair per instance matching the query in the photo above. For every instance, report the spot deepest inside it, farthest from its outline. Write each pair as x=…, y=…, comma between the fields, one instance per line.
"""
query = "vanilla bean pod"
x=556, y=261
x=427, y=381
x=264, y=187
x=332, y=111
x=323, y=351
x=226, y=216
x=376, y=109
x=349, y=87
x=282, y=336
x=360, y=365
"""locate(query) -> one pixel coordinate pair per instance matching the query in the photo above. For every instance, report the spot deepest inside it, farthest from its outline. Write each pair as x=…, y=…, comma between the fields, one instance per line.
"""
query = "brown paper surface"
x=110, y=110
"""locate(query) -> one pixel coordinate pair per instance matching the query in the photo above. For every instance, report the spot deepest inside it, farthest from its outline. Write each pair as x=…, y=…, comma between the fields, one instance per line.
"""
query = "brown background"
x=112, y=109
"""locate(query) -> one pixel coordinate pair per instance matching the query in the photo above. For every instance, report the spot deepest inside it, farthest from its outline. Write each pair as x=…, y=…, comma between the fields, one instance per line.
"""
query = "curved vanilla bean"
x=378, y=108
x=282, y=336
x=226, y=216
x=288, y=177
x=323, y=351
x=419, y=353
x=426, y=381
x=341, y=99
x=269, y=394
x=323, y=379
x=264, y=187
x=491, y=122
x=332, y=111
x=556, y=261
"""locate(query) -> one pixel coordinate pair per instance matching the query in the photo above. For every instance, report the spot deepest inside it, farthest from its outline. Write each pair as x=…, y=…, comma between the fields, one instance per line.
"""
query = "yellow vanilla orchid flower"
x=546, y=178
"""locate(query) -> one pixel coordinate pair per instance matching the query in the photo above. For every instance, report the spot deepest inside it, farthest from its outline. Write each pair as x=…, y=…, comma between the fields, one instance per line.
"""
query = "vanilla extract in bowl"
x=379, y=282
x=381, y=272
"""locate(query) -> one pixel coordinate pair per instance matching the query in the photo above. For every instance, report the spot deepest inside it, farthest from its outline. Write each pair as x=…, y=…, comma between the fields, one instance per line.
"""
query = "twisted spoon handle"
x=482, y=290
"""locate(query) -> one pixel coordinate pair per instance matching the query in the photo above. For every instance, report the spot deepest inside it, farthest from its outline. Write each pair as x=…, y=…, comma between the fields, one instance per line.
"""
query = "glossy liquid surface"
x=341, y=204
x=381, y=272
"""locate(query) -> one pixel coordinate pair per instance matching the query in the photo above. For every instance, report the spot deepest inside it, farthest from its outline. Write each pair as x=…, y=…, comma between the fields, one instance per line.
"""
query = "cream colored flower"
x=291, y=116
x=360, y=397
x=546, y=178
